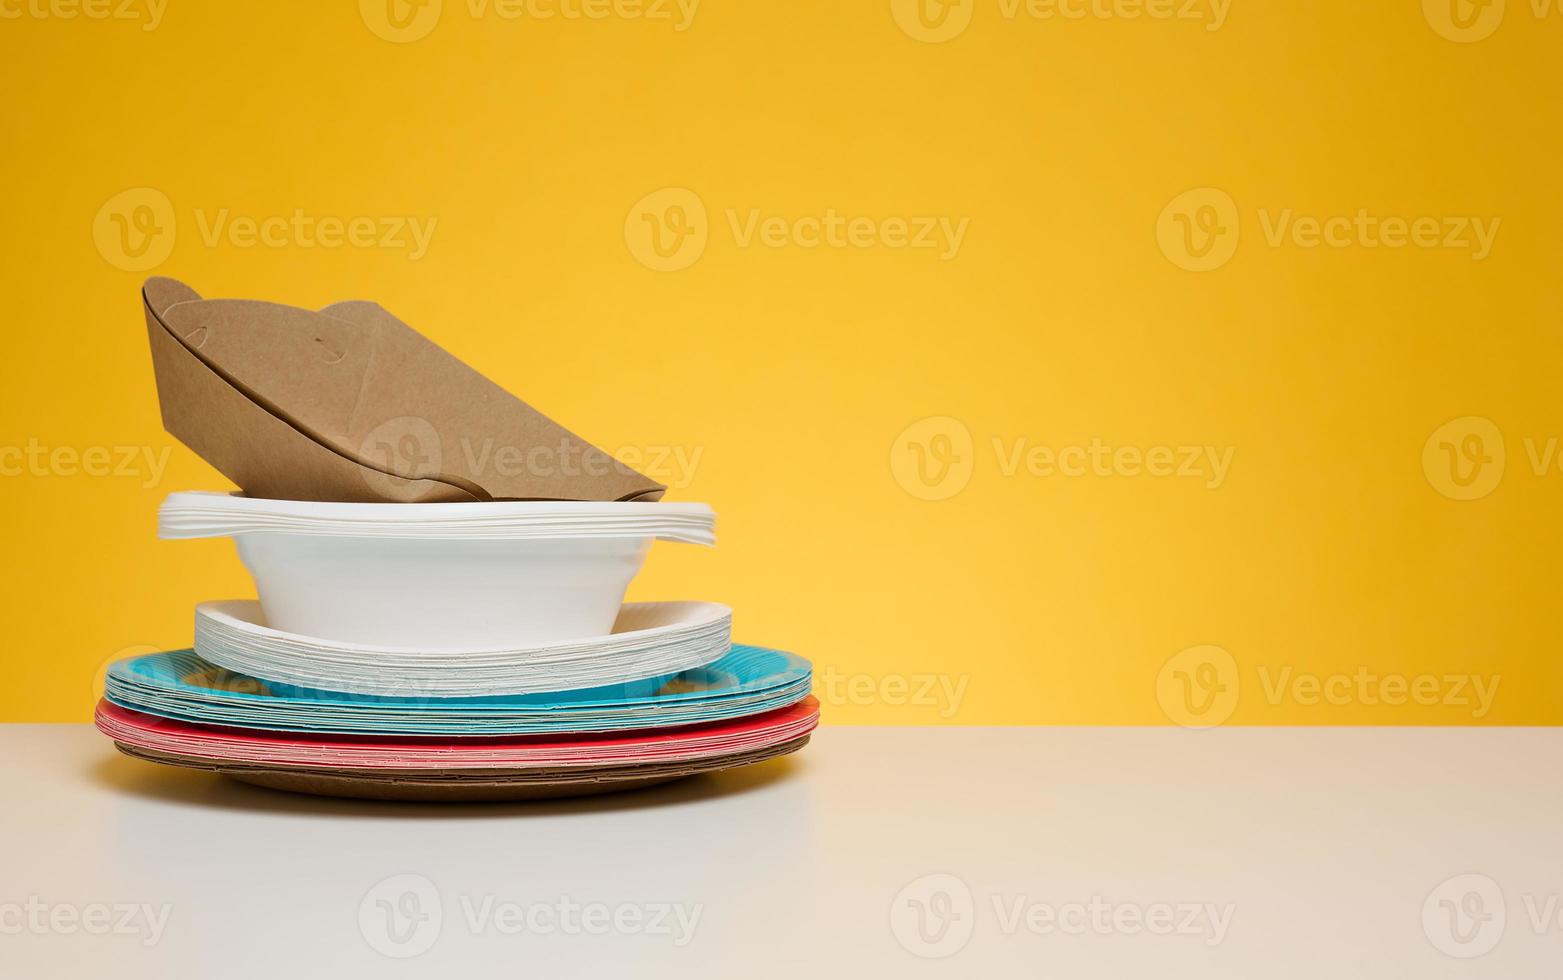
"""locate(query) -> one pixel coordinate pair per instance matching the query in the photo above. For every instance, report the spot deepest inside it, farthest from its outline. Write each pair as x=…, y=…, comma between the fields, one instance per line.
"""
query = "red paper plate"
x=370, y=752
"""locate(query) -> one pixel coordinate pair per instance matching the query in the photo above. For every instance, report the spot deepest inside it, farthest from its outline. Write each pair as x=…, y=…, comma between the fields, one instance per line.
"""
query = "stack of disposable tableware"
x=184, y=687
x=431, y=623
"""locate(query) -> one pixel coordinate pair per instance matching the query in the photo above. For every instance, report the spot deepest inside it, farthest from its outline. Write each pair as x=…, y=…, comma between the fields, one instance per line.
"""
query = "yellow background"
x=795, y=371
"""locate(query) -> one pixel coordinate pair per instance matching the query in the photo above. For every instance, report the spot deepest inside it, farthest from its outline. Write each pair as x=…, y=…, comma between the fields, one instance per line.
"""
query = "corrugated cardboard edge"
x=261, y=453
x=471, y=786
x=346, y=787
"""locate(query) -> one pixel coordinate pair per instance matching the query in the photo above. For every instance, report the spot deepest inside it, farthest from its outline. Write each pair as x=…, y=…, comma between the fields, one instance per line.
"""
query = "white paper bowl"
x=440, y=576
x=649, y=640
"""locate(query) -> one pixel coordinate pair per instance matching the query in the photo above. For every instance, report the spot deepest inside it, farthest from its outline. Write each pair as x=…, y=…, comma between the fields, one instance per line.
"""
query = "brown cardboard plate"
x=351, y=404
x=469, y=785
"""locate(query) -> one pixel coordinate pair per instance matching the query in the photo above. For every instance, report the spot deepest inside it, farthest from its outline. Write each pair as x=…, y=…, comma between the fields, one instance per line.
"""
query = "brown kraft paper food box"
x=350, y=404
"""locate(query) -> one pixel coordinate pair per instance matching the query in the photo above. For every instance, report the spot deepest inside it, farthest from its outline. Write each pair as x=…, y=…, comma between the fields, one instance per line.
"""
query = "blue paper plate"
x=180, y=685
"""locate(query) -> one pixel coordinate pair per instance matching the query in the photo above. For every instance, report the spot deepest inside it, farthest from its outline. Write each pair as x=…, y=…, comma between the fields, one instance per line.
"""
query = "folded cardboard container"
x=351, y=404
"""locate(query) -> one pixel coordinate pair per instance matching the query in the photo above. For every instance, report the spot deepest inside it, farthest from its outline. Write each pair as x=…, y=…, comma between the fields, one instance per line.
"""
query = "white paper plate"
x=208, y=515
x=649, y=640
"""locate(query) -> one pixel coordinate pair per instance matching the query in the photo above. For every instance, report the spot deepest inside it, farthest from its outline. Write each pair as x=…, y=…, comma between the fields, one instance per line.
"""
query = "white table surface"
x=1255, y=853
